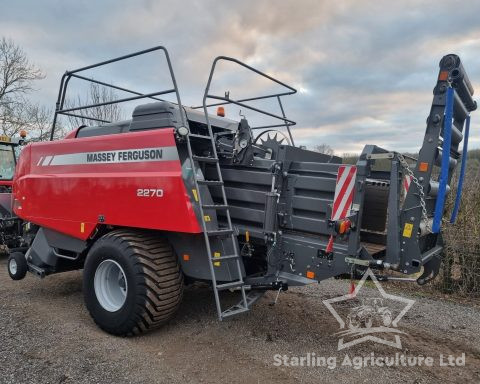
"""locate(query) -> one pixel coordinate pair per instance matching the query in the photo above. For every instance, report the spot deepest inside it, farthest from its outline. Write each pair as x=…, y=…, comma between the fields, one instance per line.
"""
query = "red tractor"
x=179, y=194
x=12, y=228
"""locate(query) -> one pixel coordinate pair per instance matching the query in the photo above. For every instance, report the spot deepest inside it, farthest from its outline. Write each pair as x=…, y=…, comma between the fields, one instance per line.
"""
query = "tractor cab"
x=8, y=156
x=11, y=227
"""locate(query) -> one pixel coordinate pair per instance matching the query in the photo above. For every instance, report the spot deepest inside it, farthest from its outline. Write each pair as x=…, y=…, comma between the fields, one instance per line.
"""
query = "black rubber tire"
x=154, y=279
x=22, y=267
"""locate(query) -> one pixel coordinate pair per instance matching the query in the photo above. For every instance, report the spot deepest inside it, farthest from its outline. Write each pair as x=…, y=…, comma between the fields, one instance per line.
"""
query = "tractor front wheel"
x=17, y=266
x=132, y=282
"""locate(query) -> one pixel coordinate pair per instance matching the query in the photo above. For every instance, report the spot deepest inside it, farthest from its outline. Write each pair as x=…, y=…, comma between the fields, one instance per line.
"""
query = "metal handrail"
x=59, y=106
x=117, y=101
x=287, y=123
x=91, y=80
x=243, y=100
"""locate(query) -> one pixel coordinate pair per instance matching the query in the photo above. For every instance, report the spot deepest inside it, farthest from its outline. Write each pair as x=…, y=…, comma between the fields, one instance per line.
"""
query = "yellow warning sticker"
x=195, y=196
x=216, y=263
x=82, y=227
x=407, y=230
x=207, y=218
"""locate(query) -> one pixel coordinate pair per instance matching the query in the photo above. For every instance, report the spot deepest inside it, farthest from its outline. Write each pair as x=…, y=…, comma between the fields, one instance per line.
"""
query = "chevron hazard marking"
x=344, y=189
x=407, y=180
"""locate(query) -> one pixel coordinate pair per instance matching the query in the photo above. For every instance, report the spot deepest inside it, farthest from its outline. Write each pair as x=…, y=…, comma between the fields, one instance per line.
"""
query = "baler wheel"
x=132, y=282
x=17, y=266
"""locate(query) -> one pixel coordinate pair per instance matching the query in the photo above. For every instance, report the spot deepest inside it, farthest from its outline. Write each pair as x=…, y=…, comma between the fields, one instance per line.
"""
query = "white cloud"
x=365, y=69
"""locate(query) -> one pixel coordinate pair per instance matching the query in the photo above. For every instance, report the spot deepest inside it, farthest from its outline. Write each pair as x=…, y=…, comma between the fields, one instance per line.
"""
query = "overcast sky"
x=364, y=70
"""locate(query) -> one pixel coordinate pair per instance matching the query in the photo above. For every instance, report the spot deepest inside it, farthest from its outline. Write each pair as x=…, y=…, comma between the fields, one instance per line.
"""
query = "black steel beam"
x=117, y=101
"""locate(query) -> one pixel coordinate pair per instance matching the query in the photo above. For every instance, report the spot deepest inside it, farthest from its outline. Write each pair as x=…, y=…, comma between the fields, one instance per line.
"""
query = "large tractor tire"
x=132, y=282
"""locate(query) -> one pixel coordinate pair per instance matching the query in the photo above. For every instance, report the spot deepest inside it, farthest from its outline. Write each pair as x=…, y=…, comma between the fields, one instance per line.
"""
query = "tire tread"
x=157, y=272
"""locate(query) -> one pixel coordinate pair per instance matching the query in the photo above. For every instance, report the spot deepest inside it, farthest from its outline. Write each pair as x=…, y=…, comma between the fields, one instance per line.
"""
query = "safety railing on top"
x=60, y=110
x=224, y=100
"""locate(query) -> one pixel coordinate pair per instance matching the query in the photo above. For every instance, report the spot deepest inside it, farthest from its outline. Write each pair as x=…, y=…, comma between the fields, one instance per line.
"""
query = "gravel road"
x=46, y=336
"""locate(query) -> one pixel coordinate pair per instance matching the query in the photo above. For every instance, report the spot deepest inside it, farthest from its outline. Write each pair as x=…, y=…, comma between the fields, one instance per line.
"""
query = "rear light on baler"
x=343, y=226
x=423, y=167
x=221, y=111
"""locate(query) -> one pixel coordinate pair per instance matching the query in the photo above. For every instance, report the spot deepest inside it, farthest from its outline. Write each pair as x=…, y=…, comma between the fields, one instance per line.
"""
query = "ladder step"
x=253, y=296
x=233, y=312
x=233, y=284
x=214, y=206
x=205, y=159
x=210, y=182
x=220, y=232
x=226, y=257
x=194, y=135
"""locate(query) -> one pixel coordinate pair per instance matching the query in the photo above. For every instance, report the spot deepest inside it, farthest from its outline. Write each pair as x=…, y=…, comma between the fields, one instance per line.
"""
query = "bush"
x=461, y=267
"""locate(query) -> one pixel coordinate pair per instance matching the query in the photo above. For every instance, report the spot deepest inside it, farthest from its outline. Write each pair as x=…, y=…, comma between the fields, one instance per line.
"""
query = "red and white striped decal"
x=342, y=202
x=407, y=180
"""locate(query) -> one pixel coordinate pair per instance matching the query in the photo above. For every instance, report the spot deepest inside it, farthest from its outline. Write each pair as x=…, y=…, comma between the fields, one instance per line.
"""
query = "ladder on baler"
x=226, y=233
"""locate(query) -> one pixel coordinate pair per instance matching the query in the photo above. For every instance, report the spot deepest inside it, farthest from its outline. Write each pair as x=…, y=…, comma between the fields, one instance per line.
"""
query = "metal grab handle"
x=463, y=167
x=443, y=181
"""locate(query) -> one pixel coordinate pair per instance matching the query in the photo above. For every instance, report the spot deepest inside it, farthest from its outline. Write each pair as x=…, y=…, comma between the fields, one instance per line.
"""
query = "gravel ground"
x=46, y=336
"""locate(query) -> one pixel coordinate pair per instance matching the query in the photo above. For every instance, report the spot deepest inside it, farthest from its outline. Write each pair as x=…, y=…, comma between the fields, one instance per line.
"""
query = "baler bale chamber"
x=183, y=195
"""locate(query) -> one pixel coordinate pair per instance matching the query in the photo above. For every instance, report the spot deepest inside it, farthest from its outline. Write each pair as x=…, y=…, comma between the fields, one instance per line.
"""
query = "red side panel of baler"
x=74, y=185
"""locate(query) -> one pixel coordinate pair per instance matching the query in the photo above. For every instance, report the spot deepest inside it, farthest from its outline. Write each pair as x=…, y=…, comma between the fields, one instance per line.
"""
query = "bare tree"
x=350, y=158
x=39, y=124
x=17, y=75
x=324, y=148
x=97, y=94
x=34, y=118
x=16, y=71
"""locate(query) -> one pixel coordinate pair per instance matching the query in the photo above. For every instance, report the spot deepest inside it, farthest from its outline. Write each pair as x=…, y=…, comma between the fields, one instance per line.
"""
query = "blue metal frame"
x=443, y=181
x=458, y=198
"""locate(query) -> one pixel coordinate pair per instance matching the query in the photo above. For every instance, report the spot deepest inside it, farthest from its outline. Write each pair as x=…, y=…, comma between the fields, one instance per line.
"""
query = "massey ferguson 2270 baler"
x=177, y=194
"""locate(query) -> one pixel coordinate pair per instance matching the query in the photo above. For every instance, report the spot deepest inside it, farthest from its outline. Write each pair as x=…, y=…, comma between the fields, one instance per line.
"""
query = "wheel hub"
x=13, y=267
x=110, y=285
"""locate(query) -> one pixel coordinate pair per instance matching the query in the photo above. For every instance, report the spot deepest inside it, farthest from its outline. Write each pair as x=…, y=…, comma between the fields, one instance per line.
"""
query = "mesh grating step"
x=215, y=206
x=194, y=135
x=210, y=182
x=226, y=257
x=233, y=312
x=205, y=159
x=220, y=232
